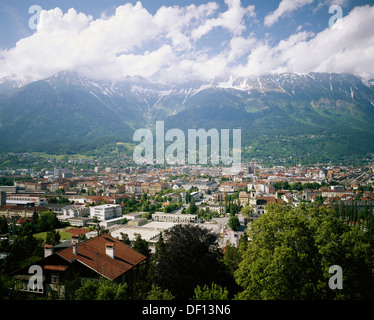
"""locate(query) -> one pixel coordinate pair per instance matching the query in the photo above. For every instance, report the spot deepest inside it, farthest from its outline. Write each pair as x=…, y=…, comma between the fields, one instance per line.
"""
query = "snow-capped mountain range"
x=284, y=82
x=69, y=111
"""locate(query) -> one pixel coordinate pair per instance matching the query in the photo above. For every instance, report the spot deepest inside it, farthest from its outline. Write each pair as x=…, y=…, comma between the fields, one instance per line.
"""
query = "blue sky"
x=14, y=15
x=172, y=40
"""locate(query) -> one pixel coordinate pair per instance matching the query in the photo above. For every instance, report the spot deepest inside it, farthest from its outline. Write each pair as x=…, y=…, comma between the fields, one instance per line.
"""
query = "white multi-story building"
x=12, y=199
x=106, y=211
x=218, y=209
x=75, y=211
x=174, y=217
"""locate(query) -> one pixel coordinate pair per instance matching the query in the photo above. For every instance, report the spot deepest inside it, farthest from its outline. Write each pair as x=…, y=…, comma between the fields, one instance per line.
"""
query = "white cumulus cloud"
x=286, y=6
x=346, y=50
x=170, y=45
x=232, y=20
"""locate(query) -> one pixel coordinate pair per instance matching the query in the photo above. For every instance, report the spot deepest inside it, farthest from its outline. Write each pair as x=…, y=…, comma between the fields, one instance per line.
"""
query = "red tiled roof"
x=92, y=254
x=55, y=267
x=271, y=200
x=23, y=220
x=77, y=231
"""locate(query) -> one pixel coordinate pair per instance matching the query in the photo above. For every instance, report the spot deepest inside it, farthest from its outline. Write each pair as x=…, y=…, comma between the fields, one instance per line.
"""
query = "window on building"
x=55, y=278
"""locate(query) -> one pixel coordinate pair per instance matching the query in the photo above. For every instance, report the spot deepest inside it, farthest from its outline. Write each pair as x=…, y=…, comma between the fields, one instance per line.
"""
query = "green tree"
x=192, y=209
x=52, y=200
x=291, y=252
x=214, y=292
x=144, y=197
x=35, y=217
x=53, y=237
x=190, y=259
x=157, y=293
x=103, y=231
x=101, y=289
x=140, y=245
x=234, y=223
x=88, y=290
x=272, y=268
x=6, y=283
x=125, y=239
x=234, y=209
x=48, y=221
x=145, y=271
x=168, y=209
x=352, y=249
x=232, y=257
x=146, y=215
x=112, y=291
x=132, y=201
x=159, y=248
x=247, y=211
x=4, y=181
x=3, y=225
x=146, y=206
x=25, y=250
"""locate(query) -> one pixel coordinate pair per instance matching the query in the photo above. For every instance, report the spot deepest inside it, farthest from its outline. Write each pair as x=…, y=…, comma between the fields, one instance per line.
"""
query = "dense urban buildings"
x=144, y=202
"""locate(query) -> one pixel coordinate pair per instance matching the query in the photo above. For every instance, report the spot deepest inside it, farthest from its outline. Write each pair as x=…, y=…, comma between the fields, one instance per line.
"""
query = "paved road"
x=228, y=234
x=181, y=208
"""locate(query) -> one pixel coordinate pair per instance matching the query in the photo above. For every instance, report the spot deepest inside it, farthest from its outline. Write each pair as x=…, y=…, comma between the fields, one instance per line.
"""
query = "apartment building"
x=174, y=217
x=106, y=211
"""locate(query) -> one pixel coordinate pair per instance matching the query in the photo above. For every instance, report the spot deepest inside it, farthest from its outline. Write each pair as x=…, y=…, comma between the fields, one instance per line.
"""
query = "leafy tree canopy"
x=292, y=250
x=190, y=259
x=234, y=223
x=157, y=293
x=214, y=292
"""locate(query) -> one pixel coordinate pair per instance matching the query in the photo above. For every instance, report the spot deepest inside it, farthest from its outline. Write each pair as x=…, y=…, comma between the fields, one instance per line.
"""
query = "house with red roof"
x=23, y=220
x=101, y=256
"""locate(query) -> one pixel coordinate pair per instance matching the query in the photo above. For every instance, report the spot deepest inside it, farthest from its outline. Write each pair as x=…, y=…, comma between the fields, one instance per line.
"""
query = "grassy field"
x=43, y=235
x=63, y=234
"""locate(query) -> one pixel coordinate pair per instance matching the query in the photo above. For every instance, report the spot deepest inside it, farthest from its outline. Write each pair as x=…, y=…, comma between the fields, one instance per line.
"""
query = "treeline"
x=4, y=181
x=285, y=185
x=45, y=221
x=339, y=149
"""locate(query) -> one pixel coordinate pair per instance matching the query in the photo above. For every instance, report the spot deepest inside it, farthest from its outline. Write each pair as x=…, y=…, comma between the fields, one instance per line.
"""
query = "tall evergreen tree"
x=53, y=237
x=125, y=239
x=192, y=208
x=140, y=245
x=159, y=248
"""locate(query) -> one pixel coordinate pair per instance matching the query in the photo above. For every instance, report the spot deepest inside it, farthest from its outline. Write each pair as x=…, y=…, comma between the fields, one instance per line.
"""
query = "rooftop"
x=108, y=205
x=92, y=254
